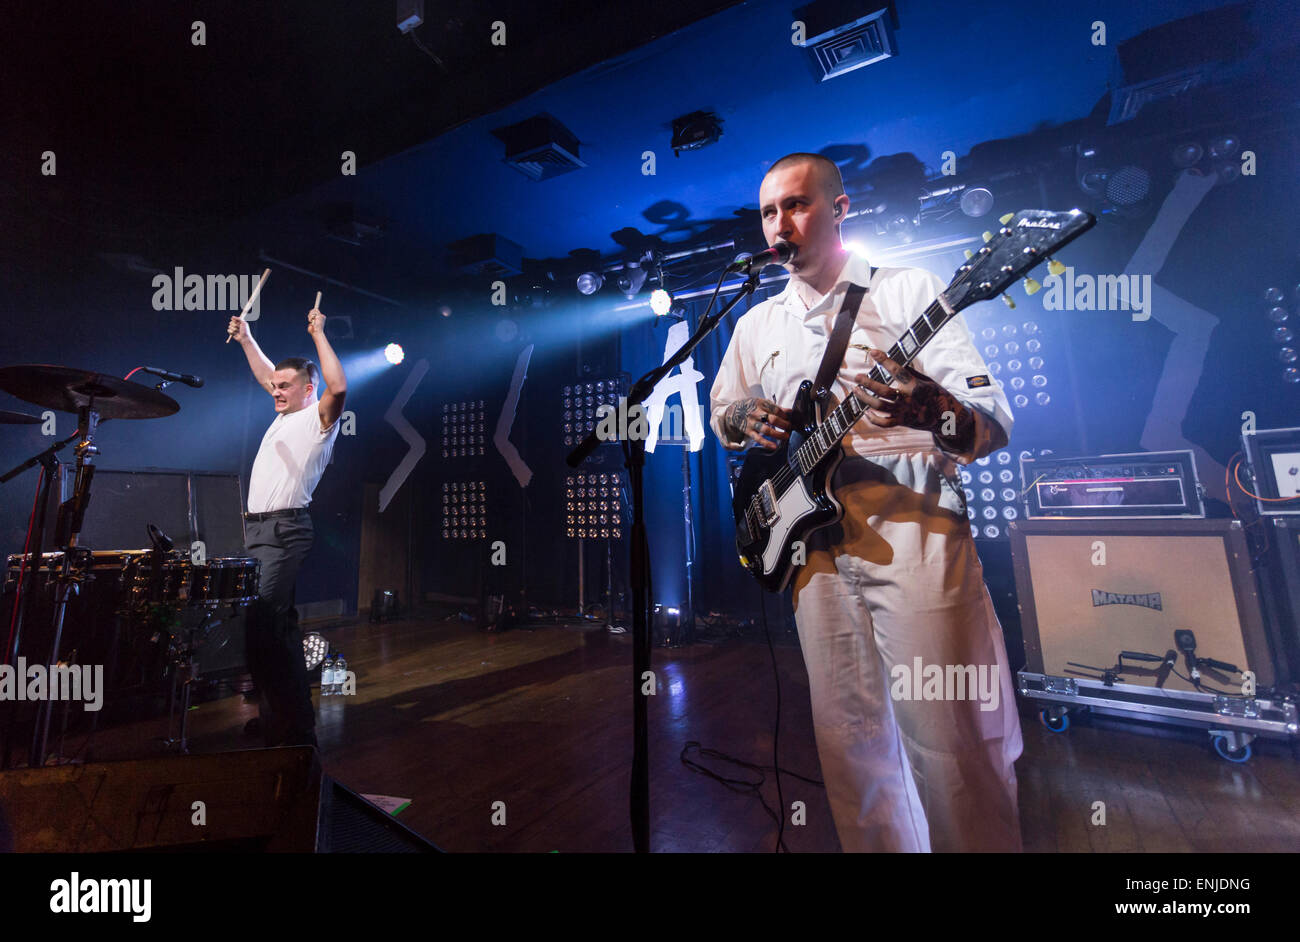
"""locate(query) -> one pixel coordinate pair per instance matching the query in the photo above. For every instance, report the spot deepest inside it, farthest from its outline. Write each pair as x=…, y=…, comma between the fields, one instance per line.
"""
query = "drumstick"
x=251, y=298
x=316, y=306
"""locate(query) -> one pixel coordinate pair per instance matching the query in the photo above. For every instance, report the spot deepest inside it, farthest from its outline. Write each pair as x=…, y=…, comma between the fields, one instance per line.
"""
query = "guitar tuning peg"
x=988, y=237
x=1006, y=299
x=969, y=255
x=1007, y=218
x=1031, y=286
x=1055, y=267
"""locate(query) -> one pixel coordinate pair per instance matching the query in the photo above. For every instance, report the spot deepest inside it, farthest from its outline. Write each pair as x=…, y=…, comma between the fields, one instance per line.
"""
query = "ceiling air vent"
x=838, y=39
x=540, y=147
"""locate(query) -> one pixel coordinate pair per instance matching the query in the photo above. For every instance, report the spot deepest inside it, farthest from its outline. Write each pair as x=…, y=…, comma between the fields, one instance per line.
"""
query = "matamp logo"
x=76, y=895
x=1148, y=600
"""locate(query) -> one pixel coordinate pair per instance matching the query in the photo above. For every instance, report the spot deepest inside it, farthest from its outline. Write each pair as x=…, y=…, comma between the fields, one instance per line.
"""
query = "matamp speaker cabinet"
x=1119, y=615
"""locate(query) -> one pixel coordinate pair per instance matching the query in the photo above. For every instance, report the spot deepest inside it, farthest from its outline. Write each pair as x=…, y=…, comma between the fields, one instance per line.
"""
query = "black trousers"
x=274, y=641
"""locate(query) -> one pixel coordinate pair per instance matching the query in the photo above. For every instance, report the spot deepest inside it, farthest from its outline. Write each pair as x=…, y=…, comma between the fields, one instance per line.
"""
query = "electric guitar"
x=782, y=496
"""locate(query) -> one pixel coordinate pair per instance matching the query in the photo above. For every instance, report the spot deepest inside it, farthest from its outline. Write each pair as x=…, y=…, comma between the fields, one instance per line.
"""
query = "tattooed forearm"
x=956, y=418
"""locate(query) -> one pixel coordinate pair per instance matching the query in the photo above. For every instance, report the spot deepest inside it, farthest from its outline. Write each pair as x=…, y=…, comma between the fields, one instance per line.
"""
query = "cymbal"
x=65, y=389
x=18, y=418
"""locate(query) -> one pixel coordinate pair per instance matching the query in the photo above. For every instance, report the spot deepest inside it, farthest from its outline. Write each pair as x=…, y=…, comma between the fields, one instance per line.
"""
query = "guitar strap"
x=833, y=359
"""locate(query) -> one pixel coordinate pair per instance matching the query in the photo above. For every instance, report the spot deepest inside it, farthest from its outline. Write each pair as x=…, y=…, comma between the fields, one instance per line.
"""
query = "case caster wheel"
x=1226, y=751
x=1058, y=723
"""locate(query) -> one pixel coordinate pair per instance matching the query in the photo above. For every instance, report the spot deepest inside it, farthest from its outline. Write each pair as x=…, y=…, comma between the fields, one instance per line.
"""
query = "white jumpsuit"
x=896, y=585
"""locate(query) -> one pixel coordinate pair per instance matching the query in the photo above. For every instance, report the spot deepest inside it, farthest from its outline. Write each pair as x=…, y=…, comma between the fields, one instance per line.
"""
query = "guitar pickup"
x=766, y=498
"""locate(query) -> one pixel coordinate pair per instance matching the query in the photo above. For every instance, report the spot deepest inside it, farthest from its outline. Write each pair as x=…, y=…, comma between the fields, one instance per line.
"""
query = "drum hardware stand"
x=72, y=513
x=182, y=662
x=47, y=460
x=91, y=395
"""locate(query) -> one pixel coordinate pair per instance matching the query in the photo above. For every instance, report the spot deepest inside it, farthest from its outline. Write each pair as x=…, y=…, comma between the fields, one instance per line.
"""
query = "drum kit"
x=143, y=587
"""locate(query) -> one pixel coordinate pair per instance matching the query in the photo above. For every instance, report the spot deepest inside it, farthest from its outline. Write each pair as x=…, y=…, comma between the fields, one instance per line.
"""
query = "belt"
x=291, y=512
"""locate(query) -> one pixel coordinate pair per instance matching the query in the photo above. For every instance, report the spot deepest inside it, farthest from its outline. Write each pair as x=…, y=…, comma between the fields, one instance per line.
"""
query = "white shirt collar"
x=801, y=298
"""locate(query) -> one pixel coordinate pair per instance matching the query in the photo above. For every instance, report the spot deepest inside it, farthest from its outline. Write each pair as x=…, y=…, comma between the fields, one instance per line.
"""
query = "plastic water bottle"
x=340, y=674
x=327, y=676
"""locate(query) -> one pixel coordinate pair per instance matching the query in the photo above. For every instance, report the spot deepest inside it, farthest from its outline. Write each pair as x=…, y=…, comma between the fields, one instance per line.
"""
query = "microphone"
x=186, y=378
x=161, y=542
x=778, y=254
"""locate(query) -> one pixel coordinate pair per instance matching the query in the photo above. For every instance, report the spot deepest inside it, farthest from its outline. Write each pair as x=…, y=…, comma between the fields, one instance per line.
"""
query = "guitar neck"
x=844, y=416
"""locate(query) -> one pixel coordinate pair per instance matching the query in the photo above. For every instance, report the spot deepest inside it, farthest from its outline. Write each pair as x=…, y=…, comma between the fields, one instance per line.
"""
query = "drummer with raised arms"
x=278, y=531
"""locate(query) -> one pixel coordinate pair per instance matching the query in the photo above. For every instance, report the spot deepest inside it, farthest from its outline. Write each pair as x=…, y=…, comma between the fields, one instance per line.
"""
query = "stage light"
x=1225, y=146
x=630, y=282
x=977, y=201
x=1187, y=155
x=661, y=302
x=444, y=311
x=595, y=505
x=902, y=228
x=589, y=282
x=582, y=401
x=314, y=649
x=464, y=428
x=464, y=510
x=990, y=503
x=394, y=353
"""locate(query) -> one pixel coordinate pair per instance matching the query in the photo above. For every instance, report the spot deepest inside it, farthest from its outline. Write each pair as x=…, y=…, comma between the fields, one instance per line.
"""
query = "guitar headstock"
x=1025, y=241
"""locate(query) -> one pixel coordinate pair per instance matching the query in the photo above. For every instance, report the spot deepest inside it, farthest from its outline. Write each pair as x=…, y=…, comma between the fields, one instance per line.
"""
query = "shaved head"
x=828, y=174
x=802, y=201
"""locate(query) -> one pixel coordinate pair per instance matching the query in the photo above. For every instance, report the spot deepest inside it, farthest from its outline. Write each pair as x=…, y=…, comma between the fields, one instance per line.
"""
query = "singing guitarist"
x=896, y=586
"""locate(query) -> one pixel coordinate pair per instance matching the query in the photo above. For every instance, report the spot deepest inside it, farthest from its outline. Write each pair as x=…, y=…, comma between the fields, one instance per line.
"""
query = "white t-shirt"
x=779, y=343
x=290, y=462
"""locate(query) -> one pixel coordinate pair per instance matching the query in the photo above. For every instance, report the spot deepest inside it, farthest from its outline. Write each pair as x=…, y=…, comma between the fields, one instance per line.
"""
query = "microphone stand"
x=634, y=454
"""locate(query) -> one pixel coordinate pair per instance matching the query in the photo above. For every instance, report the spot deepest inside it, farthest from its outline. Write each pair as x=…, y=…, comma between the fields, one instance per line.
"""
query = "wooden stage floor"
x=457, y=719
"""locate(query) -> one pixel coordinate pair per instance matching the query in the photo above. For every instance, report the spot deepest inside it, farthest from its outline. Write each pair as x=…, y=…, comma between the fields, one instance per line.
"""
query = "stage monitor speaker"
x=1091, y=589
x=352, y=825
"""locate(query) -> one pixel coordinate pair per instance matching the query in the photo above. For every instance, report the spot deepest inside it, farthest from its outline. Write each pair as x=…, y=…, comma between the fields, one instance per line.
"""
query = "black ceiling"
x=153, y=133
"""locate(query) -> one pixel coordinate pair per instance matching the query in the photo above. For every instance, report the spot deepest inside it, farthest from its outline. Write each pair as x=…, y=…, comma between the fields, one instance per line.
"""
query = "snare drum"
x=226, y=580
x=168, y=584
